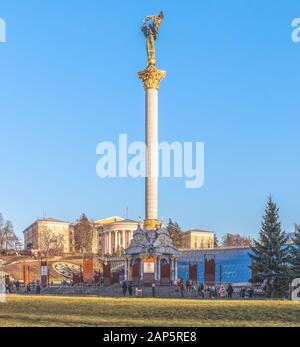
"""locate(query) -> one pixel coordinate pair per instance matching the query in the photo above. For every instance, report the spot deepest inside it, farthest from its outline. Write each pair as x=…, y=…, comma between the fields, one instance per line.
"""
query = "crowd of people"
x=205, y=291
x=11, y=286
x=186, y=289
x=15, y=287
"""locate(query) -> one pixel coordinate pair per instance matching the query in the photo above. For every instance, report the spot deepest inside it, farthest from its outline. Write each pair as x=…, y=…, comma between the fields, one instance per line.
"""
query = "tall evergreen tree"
x=175, y=233
x=216, y=243
x=83, y=236
x=295, y=254
x=270, y=255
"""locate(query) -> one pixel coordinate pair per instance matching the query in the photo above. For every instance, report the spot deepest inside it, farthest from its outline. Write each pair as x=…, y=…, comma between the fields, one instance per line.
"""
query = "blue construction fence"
x=231, y=265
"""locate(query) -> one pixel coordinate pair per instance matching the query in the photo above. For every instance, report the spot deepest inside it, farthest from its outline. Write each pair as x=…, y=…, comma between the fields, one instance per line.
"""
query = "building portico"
x=116, y=234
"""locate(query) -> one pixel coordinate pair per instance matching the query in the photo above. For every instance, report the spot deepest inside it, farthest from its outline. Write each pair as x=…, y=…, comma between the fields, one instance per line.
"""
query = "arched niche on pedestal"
x=165, y=271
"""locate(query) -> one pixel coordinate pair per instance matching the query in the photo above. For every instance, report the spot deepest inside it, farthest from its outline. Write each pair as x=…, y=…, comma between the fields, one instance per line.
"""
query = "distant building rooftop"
x=198, y=231
x=48, y=219
x=114, y=219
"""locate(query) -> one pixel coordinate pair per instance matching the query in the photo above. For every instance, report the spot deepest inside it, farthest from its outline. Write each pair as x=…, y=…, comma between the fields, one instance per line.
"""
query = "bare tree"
x=8, y=238
x=50, y=243
x=2, y=238
x=236, y=240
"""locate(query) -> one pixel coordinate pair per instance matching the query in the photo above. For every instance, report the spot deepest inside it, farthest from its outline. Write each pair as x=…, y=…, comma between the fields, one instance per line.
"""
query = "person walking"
x=209, y=292
x=153, y=290
x=229, y=291
x=38, y=288
x=222, y=291
x=130, y=289
x=250, y=292
x=124, y=288
x=181, y=287
x=7, y=288
x=201, y=290
x=243, y=293
x=213, y=292
x=187, y=285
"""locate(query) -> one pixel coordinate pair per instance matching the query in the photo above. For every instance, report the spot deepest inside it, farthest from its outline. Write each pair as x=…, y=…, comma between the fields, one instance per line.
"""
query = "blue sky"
x=68, y=81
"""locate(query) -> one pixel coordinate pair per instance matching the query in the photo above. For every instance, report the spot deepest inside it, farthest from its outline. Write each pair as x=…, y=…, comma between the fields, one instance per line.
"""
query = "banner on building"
x=44, y=273
x=149, y=266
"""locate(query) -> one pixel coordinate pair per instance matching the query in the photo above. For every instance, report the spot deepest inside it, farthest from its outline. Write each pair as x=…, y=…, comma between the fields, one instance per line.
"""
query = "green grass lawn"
x=92, y=311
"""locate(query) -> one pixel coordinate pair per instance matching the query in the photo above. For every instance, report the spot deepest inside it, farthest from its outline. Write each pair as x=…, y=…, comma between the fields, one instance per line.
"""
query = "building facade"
x=48, y=233
x=198, y=239
x=110, y=235
x=114, y=235
x=152, y=259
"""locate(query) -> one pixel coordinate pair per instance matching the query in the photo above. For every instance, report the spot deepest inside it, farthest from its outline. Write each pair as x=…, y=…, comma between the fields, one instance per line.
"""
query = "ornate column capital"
x=151, y=224
x=152, y=77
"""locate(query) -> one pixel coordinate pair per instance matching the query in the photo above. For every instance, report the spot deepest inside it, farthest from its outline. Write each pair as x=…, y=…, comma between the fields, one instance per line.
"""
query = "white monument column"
x=152, y=153
x=151, y=78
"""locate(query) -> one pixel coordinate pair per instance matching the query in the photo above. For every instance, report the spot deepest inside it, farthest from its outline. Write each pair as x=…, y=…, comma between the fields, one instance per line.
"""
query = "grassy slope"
x=70, y=311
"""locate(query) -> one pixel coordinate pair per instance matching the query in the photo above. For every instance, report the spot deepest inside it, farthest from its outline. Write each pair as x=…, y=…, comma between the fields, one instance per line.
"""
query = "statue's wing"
x=148, y=18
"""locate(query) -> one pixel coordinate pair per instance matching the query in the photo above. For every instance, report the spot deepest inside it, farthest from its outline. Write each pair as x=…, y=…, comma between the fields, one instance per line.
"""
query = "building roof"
x=114, y=219
x=109, y=220
x=127, y=221
x=49, y=219
x=198, y=231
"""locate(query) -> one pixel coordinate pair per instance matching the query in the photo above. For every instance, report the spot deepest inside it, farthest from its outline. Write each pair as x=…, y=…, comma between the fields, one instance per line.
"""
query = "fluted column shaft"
x=152, y=153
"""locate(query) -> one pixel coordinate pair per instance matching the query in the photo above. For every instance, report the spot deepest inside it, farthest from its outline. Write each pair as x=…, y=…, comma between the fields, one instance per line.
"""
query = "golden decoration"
x=152, y=77
x=151, y=224
x=151, y=31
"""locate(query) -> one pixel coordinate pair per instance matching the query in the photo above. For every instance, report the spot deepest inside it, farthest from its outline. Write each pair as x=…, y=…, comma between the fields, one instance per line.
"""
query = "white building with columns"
x=115, y=234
